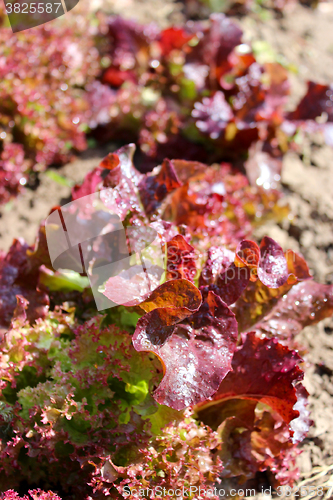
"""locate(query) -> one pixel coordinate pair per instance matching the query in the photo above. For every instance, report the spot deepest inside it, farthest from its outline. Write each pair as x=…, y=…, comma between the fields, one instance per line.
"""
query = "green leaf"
x=263, y=51
x=64, y=281
x=188, y=89
x=59, y=179
x=163, y=417
x=139, y=390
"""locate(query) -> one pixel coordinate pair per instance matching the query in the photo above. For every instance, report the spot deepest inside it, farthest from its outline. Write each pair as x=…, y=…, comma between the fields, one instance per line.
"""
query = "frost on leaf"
x=273, y=268
x=268, y=263
x=180, y=259
x=258, y=299
x=305, y=304
x=212, y=115
x=262, y=370
x=259, y=410
x=195, y=352
x=154, y=188
x=168, y=304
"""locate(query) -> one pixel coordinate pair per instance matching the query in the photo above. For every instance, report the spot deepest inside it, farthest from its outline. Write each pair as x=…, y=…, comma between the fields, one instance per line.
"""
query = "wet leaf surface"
x=196, y=353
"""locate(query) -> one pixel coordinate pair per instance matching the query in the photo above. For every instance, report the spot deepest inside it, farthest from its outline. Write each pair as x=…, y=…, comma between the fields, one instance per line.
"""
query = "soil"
x=303, y=39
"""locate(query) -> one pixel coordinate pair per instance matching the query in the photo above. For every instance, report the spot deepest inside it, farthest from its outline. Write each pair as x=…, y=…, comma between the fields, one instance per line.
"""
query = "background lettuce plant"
x=197, y=92
x=193, y=91
x=44, y=109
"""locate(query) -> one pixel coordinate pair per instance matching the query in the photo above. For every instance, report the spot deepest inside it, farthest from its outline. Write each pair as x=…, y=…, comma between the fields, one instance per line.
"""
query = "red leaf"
x=112, y=163
x=195, y=355
x=116, y=77
x=173, y=38
x=264, y=371
x=258, y=299
x=180, y=259
x=12, y=167
x=297, y=266
x=231, y=284
x=187, y=169
x=263, y=166
x=169, y=304
x=216, y=44
x=178, y=293
x=212, y=115
x=89, y=185
x=16, y=278
x=317, y=100
x=218, y=260
x=273, y=268
x=130, y=42
x=258, y=441
x=132, y=286
x=123, y=178
x=247, y=254
x=305, y=304
x=154, y=188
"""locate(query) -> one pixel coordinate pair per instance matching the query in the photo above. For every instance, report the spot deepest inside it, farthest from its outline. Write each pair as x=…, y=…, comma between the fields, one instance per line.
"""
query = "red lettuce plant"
x=33, y=495
x=197, y=92
x=44, y=109
x=194, y=92
x=192, y=382
x=200, y=8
